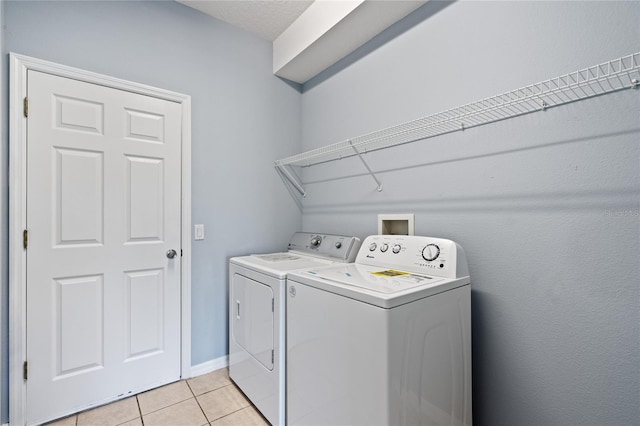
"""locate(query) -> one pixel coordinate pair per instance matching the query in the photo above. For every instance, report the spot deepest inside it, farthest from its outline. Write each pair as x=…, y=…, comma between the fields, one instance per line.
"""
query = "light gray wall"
x=547, y=206
x=243, y=118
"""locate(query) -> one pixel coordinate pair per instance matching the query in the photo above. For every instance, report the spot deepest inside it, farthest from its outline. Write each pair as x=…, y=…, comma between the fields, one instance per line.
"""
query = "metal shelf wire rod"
x=608, y=77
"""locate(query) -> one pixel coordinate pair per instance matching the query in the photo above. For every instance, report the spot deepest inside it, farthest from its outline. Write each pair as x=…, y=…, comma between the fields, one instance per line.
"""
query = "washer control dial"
x=430, y=252
x=338, y=244
x=315, y=241
x=396, y=248
x=372, y=246
x=384, y=247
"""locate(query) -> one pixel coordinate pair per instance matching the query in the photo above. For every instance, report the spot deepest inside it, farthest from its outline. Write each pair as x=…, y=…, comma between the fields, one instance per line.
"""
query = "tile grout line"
x=139, y=409
x=200, y=406
x=136, y=396
x=166, y=406
x=233, y=412
x=198, y=402
x=189, y=386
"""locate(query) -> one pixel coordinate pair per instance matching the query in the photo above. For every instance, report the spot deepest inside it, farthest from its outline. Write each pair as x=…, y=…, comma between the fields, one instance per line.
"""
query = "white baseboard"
x=209, y=366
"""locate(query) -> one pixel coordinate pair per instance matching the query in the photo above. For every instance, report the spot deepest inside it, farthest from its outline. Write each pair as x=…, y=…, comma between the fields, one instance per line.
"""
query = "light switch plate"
x=199, y=231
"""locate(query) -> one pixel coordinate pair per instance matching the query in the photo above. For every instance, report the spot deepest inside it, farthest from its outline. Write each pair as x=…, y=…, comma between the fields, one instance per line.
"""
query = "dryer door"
x=253, y=318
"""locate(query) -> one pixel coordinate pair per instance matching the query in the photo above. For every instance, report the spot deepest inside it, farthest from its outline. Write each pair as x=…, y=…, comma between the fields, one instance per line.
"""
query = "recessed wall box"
x=396, y=224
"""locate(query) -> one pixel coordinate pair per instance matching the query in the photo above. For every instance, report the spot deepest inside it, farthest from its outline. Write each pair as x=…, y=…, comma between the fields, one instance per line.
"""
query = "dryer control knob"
x=315, y=241
x=384, y=247
x=430, y=252
x=396, y=248
x=372, y=246
x=338, y=244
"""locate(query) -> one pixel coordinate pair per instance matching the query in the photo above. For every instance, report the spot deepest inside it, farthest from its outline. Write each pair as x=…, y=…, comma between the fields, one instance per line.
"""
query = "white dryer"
x=257, y=287
x=383, y=341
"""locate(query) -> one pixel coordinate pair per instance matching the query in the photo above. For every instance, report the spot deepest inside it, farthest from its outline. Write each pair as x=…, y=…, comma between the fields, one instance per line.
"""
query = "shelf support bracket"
x=291, y=178
x=366, y=165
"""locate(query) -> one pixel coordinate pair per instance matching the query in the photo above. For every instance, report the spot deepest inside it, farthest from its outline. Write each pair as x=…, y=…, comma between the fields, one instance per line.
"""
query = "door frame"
x=18, y=67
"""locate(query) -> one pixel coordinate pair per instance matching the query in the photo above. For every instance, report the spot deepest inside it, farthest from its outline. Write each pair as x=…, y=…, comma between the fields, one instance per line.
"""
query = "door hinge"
x=25, y=370
x=25, y=107
x=180, y=252
x=273, y=357
x=25, y=239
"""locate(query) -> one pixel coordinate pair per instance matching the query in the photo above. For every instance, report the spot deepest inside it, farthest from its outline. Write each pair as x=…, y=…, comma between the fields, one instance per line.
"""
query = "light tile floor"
x=210, y=399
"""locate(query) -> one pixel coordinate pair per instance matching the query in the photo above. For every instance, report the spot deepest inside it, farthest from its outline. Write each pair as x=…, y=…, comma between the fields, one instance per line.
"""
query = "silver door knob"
x=171, y=253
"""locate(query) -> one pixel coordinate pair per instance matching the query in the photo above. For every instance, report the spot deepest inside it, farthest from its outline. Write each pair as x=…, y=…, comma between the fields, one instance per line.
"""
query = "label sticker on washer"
x=389, y=273
x=396, y=278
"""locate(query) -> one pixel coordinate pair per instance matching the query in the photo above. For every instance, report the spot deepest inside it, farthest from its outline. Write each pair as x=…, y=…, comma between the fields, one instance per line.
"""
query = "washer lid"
x=277, y=257
x=279, y=264
x=386, y=281
x=382, y=287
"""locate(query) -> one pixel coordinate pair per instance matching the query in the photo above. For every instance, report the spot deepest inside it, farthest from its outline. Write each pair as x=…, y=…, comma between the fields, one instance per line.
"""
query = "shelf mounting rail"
x=608, y=77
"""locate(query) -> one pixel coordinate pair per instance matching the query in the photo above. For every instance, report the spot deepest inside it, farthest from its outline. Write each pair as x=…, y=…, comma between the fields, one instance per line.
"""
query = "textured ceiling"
x=267, y=18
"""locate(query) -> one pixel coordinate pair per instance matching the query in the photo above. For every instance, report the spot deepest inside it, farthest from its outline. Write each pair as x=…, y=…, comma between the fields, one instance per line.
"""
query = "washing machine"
x=257, y=287
x=382, y=341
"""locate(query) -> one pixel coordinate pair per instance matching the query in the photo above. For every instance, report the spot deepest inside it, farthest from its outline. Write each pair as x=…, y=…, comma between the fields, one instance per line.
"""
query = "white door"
x=103, y=210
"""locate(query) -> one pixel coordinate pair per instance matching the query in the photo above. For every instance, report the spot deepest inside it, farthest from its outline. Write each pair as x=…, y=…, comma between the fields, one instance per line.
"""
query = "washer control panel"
x=335, y=247
x=425, y=255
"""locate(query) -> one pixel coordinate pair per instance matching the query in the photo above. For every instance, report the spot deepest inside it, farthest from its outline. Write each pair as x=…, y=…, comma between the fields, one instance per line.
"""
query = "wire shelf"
x=608, y=77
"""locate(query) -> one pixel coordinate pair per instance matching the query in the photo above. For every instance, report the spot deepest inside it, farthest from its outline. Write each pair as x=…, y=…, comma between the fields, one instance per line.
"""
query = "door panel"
x=78, y=115
x=144, y=329
x=79, y=323
x=103, y=208
x=78, y=196
x=145, y=126
x=144, y=207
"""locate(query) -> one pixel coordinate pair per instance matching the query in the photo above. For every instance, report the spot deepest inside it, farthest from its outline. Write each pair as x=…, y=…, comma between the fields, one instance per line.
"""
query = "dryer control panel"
x=424, y=255
x=339, y=248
